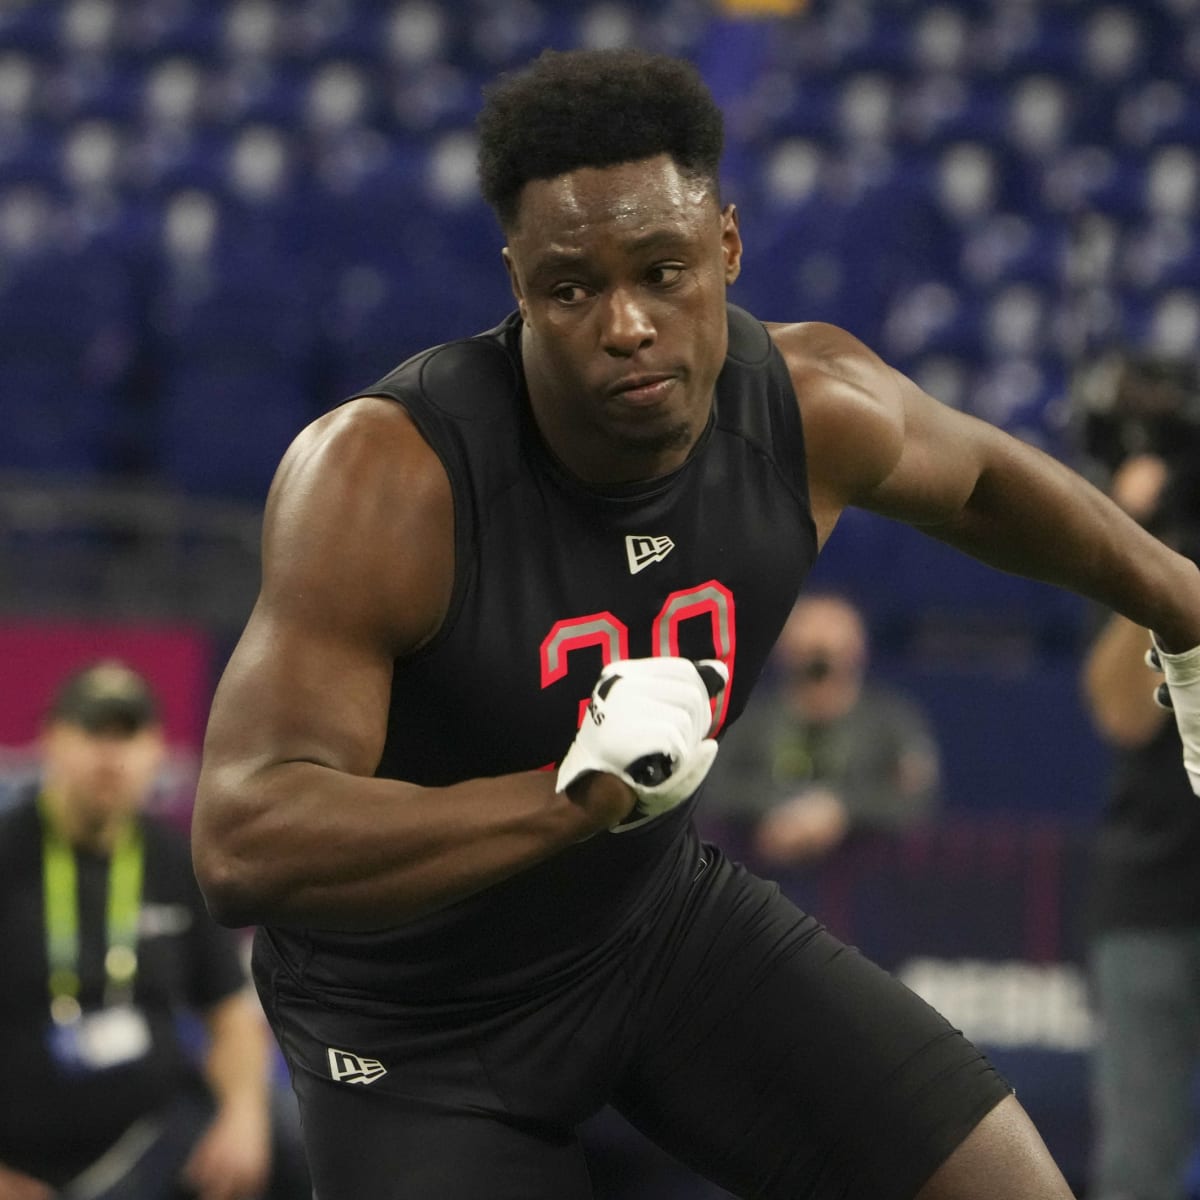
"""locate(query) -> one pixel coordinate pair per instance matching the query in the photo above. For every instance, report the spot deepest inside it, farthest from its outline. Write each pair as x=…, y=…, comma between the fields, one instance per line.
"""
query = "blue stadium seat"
x=190, y=28
x=1115, y=184
x=236, y=371
x=252, y=30
x=1032, y=38
x=395, y=295
x=20, y=79
x=1038, y=116
x=1012, y=391
x=809, y=108
x=171, y=93
x=1158, y=112
x=432, y=98
x=940, y=41
x=931, y=317
x=1171, y=184
x=1010, y=247
x=366, y=243
x=932, y=109
x=338, y=95
x=266, y=92
x=1163, y=323
x=1116, y=44
x=410, y=35
x=29, y=27
x=505, y=33
x=865, y=107
x=1160, y=255
x=869, y=37
x=67, y=336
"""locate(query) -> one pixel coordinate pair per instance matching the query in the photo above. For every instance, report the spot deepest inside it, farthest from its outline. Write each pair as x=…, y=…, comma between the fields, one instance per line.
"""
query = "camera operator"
x=1145, y=906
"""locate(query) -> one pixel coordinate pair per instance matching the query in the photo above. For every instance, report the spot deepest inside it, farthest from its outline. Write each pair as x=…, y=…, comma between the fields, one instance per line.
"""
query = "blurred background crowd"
x=219, y=217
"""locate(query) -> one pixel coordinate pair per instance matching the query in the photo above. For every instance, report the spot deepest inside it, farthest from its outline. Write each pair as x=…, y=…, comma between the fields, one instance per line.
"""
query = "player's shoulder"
x=816, y=351
x=369, y=440
x=358, y=484
x=359, y=522
x=851, y=405
x=837, y=378
x=460, y=377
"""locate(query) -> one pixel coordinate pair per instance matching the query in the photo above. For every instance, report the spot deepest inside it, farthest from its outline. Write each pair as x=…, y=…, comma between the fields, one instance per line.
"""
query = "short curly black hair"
x=593, y=108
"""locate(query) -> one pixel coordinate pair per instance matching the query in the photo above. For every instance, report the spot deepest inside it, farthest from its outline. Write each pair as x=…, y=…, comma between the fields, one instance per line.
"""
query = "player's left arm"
x=875, y=440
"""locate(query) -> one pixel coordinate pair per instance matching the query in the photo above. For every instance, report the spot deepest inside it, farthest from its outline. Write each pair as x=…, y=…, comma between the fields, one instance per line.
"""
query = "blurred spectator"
x=108, y=950
x=1145, y=910
x=823, y=753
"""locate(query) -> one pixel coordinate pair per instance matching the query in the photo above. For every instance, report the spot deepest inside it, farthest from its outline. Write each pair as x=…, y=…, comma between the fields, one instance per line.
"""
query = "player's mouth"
x=642, y=389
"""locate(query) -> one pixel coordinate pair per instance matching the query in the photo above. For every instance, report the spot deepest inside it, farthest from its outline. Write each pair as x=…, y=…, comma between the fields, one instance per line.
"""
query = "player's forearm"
x=300, y=843
x=1030, y=515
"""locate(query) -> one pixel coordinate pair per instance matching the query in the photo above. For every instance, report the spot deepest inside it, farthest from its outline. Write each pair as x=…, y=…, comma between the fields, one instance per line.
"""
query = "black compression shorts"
x=734, y=1031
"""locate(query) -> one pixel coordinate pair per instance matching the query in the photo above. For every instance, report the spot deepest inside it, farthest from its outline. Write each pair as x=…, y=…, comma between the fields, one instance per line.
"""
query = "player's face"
x=620, y=274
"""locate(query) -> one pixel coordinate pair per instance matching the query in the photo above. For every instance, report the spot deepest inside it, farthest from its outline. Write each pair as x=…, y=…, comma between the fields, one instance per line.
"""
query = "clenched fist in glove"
x=1181, y=692
x=647, y=723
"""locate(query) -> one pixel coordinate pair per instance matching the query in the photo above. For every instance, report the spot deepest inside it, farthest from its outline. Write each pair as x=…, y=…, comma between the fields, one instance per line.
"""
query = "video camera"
x=1129, y=404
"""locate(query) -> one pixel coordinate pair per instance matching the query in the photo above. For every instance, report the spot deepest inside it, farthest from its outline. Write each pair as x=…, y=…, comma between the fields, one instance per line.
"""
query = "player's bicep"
x=298, y=691
x=357, y=559
x=940, y=454
x=873, y=438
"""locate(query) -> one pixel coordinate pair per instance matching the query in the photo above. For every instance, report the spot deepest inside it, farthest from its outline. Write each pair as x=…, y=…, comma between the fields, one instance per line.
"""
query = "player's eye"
x=664, y=274
x=568, y=293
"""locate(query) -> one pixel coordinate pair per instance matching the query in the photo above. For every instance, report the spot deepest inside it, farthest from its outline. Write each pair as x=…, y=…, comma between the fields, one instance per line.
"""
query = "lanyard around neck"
x=60, y=890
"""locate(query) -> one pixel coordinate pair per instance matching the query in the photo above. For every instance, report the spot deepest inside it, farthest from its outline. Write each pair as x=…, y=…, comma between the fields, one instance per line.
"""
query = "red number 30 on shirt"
x=711, y=600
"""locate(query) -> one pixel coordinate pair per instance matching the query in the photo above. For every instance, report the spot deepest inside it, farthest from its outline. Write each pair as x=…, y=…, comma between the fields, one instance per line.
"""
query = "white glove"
x=1181, y=692
x=647, y=723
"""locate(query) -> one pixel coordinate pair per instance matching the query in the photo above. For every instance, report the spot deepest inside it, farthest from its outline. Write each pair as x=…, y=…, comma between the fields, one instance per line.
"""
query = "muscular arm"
x=876, y=441
x=289, y=825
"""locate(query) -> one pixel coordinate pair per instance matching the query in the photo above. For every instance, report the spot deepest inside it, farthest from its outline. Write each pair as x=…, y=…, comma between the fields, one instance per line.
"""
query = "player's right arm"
x=290, y=826
x=1114, y=671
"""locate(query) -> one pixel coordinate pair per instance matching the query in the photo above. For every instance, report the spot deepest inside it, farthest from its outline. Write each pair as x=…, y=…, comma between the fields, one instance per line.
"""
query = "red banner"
x=35, y=657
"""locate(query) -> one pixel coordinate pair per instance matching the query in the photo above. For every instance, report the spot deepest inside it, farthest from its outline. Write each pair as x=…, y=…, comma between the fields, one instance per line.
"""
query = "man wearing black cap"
x=107, y=945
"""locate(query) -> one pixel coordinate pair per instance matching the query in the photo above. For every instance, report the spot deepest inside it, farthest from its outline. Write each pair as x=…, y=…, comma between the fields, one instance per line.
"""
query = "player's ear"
x=731, y=243
x=514, y=281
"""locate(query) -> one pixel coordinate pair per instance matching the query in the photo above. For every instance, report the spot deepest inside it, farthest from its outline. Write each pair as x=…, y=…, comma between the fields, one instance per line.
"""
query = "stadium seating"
x=938, y=178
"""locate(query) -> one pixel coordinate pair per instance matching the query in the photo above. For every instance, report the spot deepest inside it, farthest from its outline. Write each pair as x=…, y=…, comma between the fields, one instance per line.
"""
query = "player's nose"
x=627, y=327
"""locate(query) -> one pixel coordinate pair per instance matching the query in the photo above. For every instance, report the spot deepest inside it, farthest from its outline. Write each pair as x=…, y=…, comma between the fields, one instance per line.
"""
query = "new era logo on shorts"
x=354, y=1068
x=642, y=550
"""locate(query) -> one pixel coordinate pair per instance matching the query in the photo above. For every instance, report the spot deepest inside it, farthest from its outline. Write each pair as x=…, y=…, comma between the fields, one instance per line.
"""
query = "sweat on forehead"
x=649, y=200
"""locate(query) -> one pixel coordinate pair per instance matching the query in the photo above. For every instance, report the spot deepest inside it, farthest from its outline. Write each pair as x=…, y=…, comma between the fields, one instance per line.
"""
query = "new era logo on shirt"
x=353, y=1068
x=642, y=550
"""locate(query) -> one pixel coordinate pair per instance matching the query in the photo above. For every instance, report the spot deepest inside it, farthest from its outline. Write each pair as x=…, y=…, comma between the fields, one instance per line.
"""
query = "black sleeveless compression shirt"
x=553, y=578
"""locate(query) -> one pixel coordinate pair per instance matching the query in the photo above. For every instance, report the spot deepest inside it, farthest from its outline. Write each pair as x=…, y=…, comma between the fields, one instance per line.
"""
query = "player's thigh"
x=362, y=1144
x=781, y=1063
